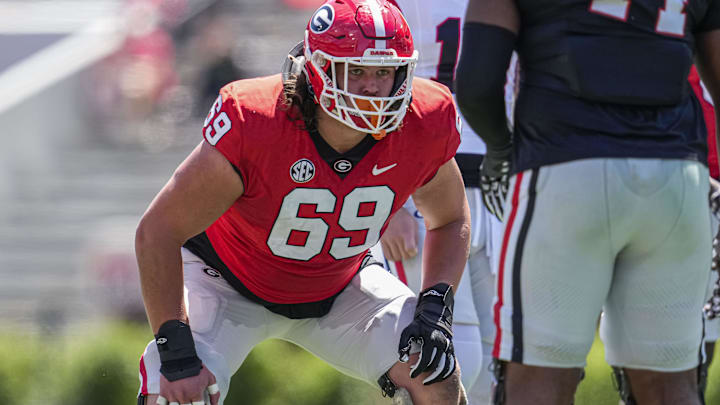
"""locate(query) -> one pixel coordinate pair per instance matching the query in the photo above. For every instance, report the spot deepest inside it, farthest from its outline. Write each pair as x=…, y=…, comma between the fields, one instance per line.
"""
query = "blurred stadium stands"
x=99, y=101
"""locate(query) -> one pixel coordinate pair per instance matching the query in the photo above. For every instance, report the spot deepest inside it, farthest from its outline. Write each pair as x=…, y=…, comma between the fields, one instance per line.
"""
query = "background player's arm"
x=444, y=207
x=708, y=65
x=202, y=188
x=502, y=13
x=489, y=36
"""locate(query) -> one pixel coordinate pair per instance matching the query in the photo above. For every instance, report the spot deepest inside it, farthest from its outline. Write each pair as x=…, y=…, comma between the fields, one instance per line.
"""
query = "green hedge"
x=99, y=365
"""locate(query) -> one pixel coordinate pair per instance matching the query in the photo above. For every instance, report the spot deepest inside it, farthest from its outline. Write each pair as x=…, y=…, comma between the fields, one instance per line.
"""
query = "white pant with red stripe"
x=359, y=336
x=626, y=237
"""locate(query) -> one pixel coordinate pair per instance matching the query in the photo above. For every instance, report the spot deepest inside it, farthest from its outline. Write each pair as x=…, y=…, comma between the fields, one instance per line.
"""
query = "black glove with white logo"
x=176, y=347
x=431, y=331
x=494, y=179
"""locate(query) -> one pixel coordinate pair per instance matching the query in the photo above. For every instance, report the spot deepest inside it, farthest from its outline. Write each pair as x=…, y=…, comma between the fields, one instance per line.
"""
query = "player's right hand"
x=400, y=240
x=189, y=390
x=494, y=179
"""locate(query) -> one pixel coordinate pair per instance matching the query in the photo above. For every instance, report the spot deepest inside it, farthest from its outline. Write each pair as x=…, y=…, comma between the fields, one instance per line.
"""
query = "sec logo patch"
x=302, y=171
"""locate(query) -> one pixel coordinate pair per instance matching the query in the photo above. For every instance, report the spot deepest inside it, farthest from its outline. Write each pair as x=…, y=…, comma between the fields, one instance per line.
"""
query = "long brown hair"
x=297, y=98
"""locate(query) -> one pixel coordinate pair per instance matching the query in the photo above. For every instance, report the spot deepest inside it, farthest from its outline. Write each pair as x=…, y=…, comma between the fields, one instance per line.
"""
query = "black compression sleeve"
x=480, y=81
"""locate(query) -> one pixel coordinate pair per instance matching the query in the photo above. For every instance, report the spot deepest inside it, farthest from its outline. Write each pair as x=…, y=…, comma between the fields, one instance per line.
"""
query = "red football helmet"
x=342, y=33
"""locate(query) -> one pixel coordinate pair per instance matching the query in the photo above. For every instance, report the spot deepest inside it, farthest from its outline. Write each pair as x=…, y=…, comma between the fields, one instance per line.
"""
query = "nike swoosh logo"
x=377, y=171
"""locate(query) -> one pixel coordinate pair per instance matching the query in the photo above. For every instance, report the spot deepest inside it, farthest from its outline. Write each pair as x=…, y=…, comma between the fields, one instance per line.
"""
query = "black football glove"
x=431, y=330
x=494, y=179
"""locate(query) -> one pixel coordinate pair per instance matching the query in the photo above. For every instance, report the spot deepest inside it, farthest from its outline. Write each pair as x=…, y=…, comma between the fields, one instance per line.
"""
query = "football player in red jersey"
x=263, y=230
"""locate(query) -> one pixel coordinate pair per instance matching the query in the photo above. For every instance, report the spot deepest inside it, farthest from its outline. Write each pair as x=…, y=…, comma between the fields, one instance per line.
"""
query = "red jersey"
x=709, y=112
x=308, y=214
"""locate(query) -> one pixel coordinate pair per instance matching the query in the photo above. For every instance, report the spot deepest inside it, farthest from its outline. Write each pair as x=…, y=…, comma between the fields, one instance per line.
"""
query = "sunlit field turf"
x=100, y=365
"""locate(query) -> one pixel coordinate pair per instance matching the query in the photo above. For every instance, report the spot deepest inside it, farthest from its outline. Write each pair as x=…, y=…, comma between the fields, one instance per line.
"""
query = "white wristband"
x=213, y=389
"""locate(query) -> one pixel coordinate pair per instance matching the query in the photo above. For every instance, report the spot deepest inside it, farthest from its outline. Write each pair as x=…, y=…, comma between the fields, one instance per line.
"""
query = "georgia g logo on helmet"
x=344, y=33
x=322, y=20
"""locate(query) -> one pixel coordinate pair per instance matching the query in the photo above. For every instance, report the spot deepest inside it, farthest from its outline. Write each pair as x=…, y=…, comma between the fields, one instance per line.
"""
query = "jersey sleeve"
x=223, y=129
x=454, y=124
x=712, y=17
x=449, y=126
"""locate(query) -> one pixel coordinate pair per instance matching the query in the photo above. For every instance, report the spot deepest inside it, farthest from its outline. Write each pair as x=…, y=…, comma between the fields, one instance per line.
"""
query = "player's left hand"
x=494, y=179
x=431, y=329
x=190, y=389
x=715, y=198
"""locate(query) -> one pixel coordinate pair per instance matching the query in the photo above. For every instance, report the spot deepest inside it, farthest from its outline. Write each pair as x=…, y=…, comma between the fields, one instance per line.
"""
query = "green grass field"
x=99, y=365
x=595, y=389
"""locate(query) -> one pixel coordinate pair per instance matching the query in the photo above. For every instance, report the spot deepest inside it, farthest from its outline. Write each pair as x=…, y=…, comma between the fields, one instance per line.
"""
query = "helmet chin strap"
x=367, y=105
x=345, y=112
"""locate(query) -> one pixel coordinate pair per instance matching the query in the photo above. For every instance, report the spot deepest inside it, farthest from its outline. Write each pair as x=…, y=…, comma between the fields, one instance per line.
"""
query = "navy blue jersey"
x=608, y=78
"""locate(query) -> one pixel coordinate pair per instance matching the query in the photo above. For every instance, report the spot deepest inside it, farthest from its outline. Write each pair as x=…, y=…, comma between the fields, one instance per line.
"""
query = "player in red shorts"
x=263, y=230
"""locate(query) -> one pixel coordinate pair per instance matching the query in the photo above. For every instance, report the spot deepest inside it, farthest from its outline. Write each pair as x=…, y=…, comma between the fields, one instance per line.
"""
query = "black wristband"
x=176, y=347
x=435, y=307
